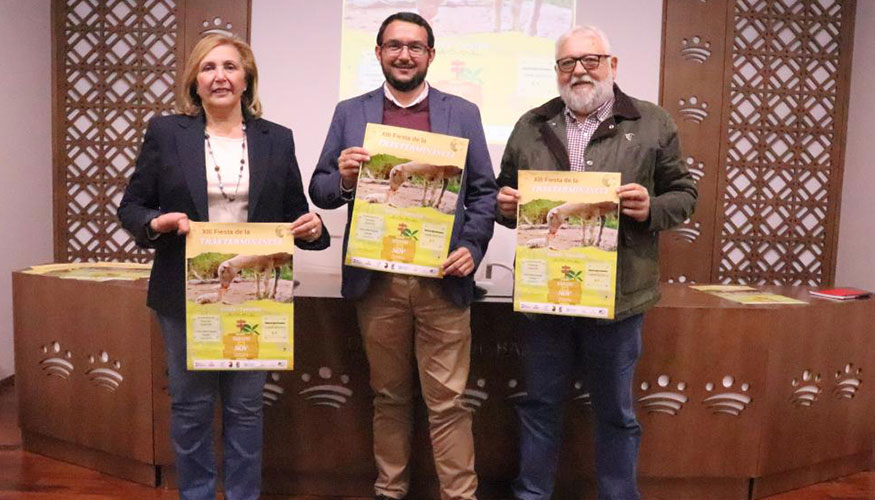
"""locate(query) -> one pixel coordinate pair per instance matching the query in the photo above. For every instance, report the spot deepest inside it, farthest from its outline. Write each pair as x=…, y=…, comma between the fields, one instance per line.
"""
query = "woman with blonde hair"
x=218, y=161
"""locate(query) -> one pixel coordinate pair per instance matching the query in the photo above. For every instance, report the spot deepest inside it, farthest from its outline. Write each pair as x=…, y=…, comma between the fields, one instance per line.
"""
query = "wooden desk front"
x=733, y=399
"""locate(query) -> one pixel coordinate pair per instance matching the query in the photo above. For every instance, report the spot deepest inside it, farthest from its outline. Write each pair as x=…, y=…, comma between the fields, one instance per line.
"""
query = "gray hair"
x=584, y=30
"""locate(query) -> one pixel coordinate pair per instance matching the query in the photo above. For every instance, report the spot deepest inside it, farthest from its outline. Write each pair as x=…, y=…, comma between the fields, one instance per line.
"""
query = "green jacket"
x=640, y=141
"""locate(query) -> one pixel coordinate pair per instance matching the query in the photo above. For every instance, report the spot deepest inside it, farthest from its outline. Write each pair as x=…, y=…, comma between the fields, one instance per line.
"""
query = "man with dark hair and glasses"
x=594, y=126
x=410, y=323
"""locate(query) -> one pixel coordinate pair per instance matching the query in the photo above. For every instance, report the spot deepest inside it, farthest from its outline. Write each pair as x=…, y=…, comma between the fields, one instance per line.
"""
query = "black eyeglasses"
x=415, y=49
x=589, y=62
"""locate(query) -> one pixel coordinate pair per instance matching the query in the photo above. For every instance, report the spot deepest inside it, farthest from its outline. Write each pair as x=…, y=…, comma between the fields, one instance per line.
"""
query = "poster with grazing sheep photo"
x=566, y=255
x=405, y=201
x=239, y=296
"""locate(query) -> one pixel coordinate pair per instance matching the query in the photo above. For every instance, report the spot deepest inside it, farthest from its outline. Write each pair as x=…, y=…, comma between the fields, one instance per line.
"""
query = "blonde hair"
x=187, y=100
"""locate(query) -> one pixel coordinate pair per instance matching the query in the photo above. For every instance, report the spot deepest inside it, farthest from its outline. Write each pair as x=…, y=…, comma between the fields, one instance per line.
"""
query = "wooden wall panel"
x=692, y=91
x=784, y=143
x=773, y=127
x=213, y=16
x=114, y=67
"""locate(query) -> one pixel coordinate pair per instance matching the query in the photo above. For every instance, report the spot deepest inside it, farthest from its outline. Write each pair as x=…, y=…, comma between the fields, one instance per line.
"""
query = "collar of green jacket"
x=624, y=109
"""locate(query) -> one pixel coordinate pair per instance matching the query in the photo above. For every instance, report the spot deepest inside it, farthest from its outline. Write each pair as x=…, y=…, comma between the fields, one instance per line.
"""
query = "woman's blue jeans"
x=193, y=396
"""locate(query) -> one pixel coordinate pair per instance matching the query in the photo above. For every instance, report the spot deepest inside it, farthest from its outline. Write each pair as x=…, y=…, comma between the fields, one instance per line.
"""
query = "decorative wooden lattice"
x=769, y=78
x=115, y=69
x=783, y=166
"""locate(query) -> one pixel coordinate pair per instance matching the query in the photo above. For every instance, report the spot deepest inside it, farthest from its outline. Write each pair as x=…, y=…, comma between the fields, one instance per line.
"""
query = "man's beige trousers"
x=408, y=323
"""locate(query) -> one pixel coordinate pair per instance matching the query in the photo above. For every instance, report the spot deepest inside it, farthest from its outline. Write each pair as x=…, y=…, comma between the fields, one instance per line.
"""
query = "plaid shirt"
x=580, y=132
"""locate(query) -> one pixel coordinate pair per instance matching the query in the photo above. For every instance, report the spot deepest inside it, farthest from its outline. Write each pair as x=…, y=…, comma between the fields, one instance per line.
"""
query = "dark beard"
x=404, y=86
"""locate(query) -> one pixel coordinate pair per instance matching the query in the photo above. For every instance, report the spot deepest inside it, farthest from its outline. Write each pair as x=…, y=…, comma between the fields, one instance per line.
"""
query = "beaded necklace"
x=218, y=170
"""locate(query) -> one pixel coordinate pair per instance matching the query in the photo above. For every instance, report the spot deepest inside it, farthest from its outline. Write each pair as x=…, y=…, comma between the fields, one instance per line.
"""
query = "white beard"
x=584, y=100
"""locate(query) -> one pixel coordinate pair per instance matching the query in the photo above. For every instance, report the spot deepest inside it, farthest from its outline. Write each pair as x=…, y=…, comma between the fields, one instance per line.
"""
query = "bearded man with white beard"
x=594, y=126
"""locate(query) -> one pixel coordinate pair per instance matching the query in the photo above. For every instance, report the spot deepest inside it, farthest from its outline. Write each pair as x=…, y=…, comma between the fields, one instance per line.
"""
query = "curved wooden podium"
x=736, y=401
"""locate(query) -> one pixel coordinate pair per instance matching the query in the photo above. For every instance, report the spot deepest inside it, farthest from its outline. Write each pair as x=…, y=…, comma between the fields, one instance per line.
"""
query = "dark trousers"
x=553, y=346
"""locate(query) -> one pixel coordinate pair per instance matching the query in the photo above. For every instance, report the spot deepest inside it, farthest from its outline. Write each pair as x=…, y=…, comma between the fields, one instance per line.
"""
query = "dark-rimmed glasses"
x=589, y=62
x=415, y=49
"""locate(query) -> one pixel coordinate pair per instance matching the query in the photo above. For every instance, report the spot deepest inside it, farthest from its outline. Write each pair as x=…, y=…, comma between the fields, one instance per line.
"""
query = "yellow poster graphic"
x=758, y=298
x=723, y=288
x=566, y=255
x=94, y=271
x=405, y=201
x=239, y=296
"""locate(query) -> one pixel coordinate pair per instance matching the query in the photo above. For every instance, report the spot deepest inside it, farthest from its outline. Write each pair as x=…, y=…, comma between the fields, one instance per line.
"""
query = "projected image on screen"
x=495, y=53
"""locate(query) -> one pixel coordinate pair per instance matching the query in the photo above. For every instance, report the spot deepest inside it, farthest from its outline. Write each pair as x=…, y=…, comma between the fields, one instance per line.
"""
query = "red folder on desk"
x=841, y=293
